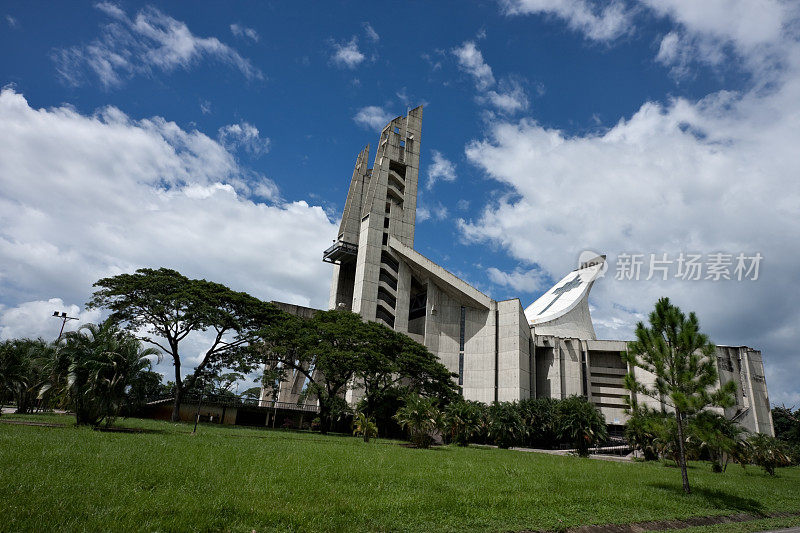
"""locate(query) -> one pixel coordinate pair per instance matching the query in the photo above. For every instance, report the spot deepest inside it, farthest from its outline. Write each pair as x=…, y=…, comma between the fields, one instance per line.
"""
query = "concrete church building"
x=500, y=351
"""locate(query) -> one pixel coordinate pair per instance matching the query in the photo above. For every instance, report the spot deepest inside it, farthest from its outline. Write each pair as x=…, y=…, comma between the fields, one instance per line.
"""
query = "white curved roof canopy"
x=565, y=295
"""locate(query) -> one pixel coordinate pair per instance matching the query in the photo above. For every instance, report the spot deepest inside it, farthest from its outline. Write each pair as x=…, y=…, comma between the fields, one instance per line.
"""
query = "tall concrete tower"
x=368, y=278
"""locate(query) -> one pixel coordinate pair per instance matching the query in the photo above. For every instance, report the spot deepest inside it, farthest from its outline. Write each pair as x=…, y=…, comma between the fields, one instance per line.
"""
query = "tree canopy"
x=162, y=307
x=334, y=349
x=683, y=361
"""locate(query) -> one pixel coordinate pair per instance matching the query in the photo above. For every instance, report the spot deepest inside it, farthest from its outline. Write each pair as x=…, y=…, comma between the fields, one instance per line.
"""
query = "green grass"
x=228, y=478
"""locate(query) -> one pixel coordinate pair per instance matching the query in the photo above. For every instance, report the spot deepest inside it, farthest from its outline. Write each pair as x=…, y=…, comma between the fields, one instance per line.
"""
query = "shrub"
x=464, y=421
x=580, y=423
x=506, y=426
x=420, y=417
x=768, y=452
x=539, y=416
x=364, y=426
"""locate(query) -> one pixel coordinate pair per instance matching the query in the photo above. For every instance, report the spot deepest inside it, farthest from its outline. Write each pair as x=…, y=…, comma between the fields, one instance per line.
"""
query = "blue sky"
x=219, y=140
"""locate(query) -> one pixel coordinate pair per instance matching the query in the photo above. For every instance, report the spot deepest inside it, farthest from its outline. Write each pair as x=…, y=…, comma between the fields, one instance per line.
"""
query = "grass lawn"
x=230, y=478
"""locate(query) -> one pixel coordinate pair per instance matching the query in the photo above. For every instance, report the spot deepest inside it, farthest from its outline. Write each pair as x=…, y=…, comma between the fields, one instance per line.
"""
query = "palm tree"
x=365, y=426
x=465, y=420
x=421, y=418
x=580, y=423
x=21, y=370
x=721, y=438
x=506, y=426
x=92, y=369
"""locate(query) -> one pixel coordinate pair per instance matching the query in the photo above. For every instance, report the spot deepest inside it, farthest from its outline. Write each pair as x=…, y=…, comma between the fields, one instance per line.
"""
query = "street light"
x=63, y=316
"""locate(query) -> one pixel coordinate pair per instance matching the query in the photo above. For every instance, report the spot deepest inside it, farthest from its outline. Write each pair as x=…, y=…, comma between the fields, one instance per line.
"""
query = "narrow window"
x=463, y=327
x=386, y=222
x=385, y=238
x=461, y=368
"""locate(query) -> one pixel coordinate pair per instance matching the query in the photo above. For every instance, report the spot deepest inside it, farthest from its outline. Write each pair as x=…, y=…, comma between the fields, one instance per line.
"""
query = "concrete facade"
x=500, y=351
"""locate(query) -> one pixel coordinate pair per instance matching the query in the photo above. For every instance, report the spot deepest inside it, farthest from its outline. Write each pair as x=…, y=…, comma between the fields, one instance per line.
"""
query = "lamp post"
x=63, y=317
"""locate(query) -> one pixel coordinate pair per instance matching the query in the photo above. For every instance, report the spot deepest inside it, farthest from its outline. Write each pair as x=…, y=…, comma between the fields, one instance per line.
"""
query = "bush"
x=420, y=417
x=364, y=426
x=465, y=421
x=641, y=432
x=768, y=452
x=580, y=423
x=506, y=426
x=539, y=416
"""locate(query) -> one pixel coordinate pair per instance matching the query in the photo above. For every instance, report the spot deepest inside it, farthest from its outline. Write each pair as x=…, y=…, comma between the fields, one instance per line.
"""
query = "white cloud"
x=242, y=31
x=35, y=319
x=717, y=174
x=747, y=34
x=470, y=60
x=510, y=98
x=243, y=135
x=520, y=280
x=373, y=117
x=605, y=22
x=371, y=33
x=347, y=54
x=83, y=197
x=431, y=212
x=150, y=40
x=12, y=22
x=440, y=169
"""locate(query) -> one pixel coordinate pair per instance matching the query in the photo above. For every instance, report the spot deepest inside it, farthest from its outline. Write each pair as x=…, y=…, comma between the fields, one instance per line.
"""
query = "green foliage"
x=465, y=421
x=683, y=361
x=787, y=428
x=539, y=416
x=145, y=386
x=21, y=370
x=580, y=423
x=334, y=348
x=641, y=432
x=421, y=418
x=722, y=440
x=167, y=306
x=506, y=425
x=92, y=369
x=364, y=426
x=768, y=452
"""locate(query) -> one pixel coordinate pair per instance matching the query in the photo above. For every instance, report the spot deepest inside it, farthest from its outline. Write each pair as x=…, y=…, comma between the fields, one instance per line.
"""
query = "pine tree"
x=683, y=361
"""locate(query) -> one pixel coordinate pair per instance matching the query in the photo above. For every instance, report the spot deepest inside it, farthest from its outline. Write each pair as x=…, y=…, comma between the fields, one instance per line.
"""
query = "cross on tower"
x=565, y=288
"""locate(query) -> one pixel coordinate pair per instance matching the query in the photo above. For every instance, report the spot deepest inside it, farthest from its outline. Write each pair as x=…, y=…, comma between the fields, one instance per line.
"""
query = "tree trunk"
x=176, y=407
x=682, y=453
x=324, y=417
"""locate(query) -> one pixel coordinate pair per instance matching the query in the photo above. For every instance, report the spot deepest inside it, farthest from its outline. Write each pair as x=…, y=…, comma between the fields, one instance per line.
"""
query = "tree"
x=144, y=387
x=364, y=426
x=787, y=424
x=464, y=420
x=683, y=362
x=580, y=423
x=641, y=432
x=92, y=369
x=166, y=307
x=720, y=438
x=506, y=426
x=420, y=417
x=396, y=365
x=768, y=452
x=539, y=416
x=336, y=348
x=21, y=372
x=327, y=349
